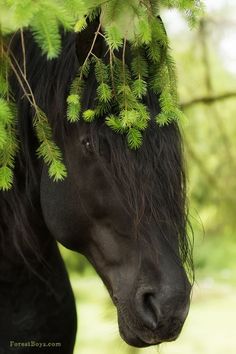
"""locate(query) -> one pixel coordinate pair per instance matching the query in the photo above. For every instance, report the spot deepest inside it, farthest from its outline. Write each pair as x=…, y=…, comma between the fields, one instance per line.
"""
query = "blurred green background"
x=206, y=64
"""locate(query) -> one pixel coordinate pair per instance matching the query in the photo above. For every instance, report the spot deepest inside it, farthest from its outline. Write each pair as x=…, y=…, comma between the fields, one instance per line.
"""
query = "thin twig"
x=38, y=113
x=111, y=70
x=123, y=64
x=102, y=35
x=21, y=83
x=23, y=50
x=91, y=49
x=33, y=102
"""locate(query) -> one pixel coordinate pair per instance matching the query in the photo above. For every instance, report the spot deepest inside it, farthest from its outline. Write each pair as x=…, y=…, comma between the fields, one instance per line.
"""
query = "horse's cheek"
x=63, y=213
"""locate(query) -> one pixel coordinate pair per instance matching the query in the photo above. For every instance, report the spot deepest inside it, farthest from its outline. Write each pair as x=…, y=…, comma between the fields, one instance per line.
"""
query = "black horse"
x=124, y=210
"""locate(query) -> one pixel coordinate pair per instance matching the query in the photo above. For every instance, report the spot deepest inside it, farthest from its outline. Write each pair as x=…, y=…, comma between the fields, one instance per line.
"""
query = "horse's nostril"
x=145, y=306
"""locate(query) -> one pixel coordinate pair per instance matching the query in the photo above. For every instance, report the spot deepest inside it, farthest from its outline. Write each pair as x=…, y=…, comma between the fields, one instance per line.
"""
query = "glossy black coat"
x=124, y=210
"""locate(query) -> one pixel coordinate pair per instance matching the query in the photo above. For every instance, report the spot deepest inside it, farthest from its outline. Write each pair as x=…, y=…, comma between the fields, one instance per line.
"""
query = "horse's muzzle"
x=151, y=319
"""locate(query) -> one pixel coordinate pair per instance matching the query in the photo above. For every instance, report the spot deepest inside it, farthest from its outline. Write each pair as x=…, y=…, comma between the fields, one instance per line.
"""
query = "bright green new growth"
x=48, y=150
x=8, y=140
x=120, y=87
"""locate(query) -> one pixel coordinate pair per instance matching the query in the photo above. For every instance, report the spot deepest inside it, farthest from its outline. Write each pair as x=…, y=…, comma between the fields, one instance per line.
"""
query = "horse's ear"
x=85, y=40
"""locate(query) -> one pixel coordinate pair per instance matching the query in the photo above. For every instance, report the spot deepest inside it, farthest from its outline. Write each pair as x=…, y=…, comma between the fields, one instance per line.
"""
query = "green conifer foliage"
x=121, y=87
x=47, y=149
x=8, y=140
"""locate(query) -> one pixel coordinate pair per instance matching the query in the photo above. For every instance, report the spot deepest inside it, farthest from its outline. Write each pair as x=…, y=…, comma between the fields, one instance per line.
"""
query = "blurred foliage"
x=210, y=134
x=207, y=89
x=76, y=263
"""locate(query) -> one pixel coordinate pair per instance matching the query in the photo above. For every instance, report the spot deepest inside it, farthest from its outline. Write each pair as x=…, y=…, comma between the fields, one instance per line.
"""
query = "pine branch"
x=48, y=150
x=121, y=86
x=47, y=37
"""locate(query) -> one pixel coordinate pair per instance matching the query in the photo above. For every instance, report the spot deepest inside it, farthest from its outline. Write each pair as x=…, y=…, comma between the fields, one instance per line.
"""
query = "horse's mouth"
x=141, y=337
x=135, y=339
x=132, y=339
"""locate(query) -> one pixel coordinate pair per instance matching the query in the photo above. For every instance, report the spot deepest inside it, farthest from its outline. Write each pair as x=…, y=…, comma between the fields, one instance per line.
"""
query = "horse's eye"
x=87, y=145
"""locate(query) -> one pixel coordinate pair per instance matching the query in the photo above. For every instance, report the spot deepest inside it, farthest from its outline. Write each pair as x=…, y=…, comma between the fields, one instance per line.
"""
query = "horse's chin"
x=134, y=337
x=133, y=340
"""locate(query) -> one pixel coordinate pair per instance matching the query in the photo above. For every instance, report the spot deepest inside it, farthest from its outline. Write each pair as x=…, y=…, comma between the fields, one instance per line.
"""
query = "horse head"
x=124, y=210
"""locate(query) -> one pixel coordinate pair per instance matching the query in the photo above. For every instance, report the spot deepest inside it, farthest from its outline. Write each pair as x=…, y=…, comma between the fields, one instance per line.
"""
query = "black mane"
x=20, y=211
x=132, y=171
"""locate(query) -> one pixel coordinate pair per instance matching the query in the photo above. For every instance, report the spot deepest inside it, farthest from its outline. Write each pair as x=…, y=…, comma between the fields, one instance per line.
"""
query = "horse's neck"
x=29, y=279
x=35, y=295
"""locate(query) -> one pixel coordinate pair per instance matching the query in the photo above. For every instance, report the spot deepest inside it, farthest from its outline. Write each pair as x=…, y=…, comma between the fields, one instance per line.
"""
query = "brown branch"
x=208, y=99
